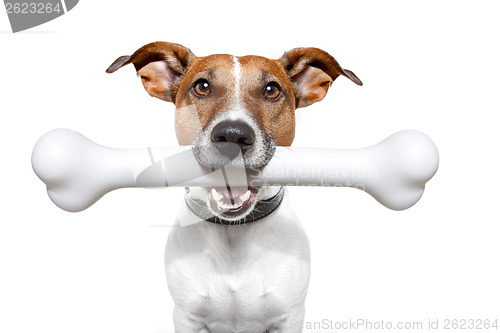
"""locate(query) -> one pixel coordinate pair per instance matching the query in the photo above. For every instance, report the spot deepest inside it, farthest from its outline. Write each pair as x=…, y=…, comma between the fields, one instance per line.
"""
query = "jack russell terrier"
x=246, y=267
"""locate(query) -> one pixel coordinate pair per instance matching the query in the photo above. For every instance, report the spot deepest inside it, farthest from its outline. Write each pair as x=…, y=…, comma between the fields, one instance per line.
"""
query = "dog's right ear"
x=160, y=65
x=311, y=72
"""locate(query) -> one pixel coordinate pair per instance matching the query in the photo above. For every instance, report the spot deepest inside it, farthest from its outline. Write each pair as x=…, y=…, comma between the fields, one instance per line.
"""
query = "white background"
x=427, y=65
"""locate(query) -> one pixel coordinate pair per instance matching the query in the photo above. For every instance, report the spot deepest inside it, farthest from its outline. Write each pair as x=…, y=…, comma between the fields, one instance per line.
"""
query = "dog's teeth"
x=245, y=196
x=216, y=195
x=222, y=201
x=229, y=206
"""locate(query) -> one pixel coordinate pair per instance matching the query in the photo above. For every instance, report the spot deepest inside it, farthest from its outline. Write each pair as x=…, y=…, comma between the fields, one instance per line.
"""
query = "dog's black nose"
x=230, y=137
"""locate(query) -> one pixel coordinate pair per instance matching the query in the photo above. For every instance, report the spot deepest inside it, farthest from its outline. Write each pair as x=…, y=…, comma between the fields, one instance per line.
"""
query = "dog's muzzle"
x=236, y=144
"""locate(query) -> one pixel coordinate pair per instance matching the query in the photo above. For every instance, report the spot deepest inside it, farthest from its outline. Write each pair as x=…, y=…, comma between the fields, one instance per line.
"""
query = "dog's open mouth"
x=231, y=201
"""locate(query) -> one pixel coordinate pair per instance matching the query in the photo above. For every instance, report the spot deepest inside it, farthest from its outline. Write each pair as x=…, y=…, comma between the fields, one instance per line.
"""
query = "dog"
x=246, y=267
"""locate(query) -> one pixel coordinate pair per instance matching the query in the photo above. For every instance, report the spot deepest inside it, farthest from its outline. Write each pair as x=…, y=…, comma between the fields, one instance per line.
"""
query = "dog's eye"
x=272, y=91
x=201, y=88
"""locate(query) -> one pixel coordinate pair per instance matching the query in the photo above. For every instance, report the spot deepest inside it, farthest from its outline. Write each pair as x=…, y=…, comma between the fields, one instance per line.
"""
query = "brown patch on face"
x=193, y=112
x=276, y=117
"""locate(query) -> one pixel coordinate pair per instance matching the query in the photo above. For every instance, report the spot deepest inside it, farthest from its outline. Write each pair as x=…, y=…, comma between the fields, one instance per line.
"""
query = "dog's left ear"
x=311, y=72
x=160, y=65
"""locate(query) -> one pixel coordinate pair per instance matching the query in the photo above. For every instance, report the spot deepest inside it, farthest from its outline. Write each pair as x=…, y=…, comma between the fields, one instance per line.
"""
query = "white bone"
x=78, y=172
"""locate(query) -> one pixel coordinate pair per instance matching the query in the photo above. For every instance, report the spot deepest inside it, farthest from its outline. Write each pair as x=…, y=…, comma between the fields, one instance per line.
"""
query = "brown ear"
x=312, y=71
x=160, y=65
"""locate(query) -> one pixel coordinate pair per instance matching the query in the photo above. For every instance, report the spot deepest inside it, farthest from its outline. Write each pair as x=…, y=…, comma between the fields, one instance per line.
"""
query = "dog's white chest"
x=238, y=278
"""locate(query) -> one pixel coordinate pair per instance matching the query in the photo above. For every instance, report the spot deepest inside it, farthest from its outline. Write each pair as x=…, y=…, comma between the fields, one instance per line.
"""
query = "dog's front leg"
x=185, y=323
x=292, y=322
